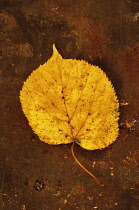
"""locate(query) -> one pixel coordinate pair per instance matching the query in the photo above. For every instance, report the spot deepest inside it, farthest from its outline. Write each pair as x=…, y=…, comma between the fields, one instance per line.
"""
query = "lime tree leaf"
x=67, y=100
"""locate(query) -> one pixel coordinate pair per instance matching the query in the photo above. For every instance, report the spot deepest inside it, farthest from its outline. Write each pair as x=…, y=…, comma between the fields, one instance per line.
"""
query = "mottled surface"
x=37, y=176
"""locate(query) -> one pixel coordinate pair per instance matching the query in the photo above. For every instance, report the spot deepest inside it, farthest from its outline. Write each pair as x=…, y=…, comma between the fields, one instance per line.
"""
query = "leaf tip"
x=55, y=51
x=54, y=48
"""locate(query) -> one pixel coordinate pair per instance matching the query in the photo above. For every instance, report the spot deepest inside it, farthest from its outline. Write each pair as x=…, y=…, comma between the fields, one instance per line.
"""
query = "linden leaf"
x=67, y=100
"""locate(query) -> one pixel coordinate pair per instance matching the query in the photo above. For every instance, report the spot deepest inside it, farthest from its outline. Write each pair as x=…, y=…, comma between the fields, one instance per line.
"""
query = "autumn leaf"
x=69, y=100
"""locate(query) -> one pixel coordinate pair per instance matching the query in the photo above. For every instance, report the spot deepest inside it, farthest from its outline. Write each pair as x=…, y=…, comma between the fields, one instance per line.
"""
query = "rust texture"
x=37, y=176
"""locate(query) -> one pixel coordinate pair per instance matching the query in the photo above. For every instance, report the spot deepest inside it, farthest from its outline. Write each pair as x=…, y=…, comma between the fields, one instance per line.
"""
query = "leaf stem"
x=84, y=167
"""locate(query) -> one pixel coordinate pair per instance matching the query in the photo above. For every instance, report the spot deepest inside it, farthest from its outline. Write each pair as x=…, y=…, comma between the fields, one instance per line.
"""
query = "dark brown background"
x=104, y=33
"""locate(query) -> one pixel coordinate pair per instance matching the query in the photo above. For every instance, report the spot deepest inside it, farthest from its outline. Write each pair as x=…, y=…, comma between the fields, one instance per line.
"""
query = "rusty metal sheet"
x=37, y=176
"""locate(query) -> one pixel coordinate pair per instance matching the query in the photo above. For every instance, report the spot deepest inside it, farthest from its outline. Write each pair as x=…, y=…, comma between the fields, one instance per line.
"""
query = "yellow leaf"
x=67, y=100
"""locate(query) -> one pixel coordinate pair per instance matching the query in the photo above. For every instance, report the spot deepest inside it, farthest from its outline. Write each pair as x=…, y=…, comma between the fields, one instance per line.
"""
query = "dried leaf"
x=67, y=100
